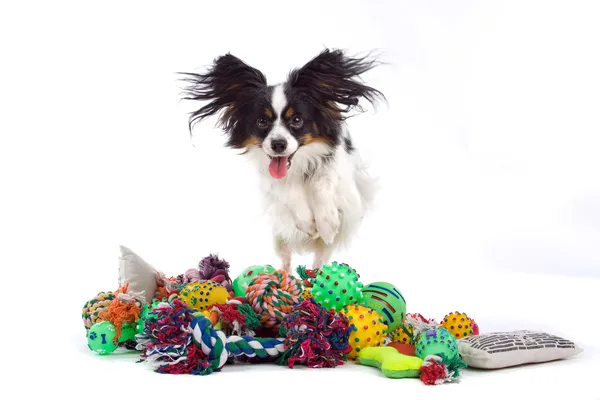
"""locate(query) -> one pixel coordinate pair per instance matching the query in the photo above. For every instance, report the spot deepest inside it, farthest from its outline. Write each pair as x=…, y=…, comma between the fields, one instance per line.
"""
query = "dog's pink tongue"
x=278, y=167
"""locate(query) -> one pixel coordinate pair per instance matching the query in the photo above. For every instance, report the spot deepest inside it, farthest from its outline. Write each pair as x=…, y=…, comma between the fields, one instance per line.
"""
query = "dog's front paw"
x=328, y=223
x=308, y=227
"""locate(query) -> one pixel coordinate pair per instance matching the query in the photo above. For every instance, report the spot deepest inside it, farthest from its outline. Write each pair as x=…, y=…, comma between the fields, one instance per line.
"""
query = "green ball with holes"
x=336, y=286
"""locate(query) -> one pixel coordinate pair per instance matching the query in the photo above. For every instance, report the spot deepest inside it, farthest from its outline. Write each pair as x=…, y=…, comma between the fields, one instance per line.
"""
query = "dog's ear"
x=224, y=84
x=332, y=79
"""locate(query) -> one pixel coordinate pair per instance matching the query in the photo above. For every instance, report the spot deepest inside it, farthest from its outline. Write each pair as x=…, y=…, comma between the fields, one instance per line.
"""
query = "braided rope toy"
x=272, y=296
x=177, y=340
x=123, y=310
x=306, y=275
x=93, y=308
x=218, y=348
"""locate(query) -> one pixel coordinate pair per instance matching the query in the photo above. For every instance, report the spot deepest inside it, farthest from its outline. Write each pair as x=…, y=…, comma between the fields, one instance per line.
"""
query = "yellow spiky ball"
x=204, y=294
x=367, y=328
x=306, y=293
x=403, y=334
x=458, y=324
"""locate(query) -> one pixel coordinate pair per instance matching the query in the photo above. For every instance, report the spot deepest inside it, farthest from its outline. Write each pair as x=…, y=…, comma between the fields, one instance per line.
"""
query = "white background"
x=487, y=153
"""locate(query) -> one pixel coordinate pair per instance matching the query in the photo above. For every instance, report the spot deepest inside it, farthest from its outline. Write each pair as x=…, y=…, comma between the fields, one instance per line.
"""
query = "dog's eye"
x=262, y=123
x=296, y=122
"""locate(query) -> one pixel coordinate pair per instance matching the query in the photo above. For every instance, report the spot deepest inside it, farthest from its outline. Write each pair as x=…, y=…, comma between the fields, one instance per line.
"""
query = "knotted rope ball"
x=166, y=342
x=90, y=312
x=315, y=336
x=272, y=296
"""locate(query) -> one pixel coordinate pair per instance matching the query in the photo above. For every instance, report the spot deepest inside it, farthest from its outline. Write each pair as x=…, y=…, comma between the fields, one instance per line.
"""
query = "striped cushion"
x=506, y=349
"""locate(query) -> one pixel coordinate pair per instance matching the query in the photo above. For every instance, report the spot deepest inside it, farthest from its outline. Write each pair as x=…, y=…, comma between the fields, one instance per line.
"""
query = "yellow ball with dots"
x=458, y=324
x=403, y=334
x=306, y=293
x=204, y=294
x=367, y=328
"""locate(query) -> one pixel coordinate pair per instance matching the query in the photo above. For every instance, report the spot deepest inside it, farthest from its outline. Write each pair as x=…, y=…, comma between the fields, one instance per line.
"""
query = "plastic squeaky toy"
x=387, y=300
x=101, y=337
x=366, y=329
x=203, y=294
x=459, y=325
x=437, y=342
x=336, y=286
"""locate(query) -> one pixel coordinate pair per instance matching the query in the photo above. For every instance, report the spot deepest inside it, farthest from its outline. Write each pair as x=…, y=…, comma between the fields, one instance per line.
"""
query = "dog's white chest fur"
x=321, y=200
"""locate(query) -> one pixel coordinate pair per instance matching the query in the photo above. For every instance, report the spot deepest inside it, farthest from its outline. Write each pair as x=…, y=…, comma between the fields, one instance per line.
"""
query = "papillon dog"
x=315, y=185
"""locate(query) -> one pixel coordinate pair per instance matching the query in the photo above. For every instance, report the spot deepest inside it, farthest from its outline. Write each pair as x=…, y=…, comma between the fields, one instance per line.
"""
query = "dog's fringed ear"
x=333, y=79
x=223, y=84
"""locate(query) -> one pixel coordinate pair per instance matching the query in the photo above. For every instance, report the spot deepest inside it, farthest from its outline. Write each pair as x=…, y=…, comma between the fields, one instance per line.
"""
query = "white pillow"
x=140, y=275
x=506, y=349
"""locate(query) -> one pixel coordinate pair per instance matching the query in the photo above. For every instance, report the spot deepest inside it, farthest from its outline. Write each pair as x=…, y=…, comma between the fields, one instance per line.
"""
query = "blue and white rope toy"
x=219, y=348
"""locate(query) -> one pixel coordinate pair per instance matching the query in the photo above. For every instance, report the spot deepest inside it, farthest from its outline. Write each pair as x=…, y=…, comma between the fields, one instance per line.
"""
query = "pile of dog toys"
x=202, y=320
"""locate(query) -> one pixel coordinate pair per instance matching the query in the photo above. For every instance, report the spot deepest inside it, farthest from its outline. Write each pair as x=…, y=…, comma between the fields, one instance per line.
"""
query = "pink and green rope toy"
x=272, y=296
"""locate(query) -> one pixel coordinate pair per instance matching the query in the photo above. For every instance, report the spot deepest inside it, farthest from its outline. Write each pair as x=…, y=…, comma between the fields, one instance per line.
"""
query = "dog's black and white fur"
x=315, y=186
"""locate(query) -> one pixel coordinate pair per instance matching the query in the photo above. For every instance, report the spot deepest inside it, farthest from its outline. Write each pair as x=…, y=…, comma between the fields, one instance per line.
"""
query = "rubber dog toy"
x=391, y=362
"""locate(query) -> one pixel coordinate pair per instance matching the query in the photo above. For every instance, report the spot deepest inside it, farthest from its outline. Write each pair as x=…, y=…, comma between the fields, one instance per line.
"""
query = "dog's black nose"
x=278, y=145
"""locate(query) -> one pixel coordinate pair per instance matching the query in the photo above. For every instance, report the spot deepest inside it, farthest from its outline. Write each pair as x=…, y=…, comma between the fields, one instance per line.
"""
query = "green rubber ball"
x=101, y=338
x=437, y=342
x=146, y=314
x=243, y=280
x=128, y=332
x=336, y=286
x=387, y=300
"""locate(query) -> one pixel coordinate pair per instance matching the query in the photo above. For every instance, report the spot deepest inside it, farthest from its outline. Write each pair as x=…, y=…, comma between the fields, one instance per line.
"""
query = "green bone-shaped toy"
x=389, y=360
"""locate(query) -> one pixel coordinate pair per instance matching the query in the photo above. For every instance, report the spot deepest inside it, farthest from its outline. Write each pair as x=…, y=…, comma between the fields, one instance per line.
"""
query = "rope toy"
x=234, y=318
x=166, y=343
x=165, y=287
x=306, y=275
x=92, y=308
x=316, y=336
x=216, y=269
x=437, y=369
x=218, y=348
x=417, y=324
x=123, y=310
x=209, y=268
x=272, y=296
x=179, y=340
